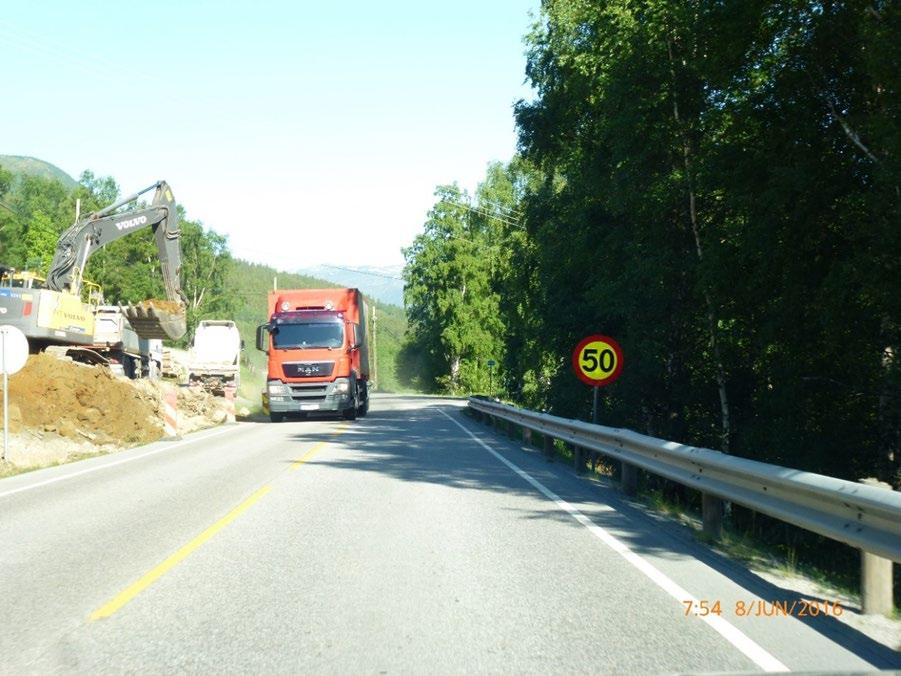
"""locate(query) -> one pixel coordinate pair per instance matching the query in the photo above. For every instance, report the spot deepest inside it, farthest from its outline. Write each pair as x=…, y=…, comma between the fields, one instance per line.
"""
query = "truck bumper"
x=329, y=403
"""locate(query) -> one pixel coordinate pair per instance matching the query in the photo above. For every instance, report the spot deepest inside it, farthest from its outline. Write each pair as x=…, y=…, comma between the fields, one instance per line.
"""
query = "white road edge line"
x=736, y=637
x=168, y=447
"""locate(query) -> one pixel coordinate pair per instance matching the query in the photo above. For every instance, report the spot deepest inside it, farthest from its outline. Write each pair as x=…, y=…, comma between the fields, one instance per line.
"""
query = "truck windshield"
x=308, y=335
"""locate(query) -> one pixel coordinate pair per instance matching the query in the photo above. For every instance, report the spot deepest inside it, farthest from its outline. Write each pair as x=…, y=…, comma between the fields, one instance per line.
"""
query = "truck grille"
x=308, y=369
x=311, y=392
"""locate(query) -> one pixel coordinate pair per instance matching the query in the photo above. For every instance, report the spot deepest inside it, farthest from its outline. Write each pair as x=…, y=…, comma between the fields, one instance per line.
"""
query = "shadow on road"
x=416, y=443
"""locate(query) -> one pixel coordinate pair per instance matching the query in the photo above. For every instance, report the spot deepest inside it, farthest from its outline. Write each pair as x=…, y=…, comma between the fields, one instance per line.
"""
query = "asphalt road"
x=411, y=541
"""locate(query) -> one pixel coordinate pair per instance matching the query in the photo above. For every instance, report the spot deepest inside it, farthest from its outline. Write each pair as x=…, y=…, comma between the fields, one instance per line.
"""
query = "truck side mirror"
x=263, y=337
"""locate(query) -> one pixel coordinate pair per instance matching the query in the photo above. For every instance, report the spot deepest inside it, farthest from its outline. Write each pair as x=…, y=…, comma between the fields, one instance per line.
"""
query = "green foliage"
x=389, y=366
x=6, y=178
x=40, y=240
x=452, y=307
x=206, y=266
x=36, y=210
x=703, y=162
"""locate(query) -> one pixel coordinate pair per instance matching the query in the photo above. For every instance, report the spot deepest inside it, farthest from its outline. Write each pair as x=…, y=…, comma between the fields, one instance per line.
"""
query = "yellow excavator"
x=51, y=311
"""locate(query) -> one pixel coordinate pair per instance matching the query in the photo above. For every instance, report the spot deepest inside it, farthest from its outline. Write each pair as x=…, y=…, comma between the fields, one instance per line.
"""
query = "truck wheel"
x=131, y=366
x=276, y=417
x=363, y=408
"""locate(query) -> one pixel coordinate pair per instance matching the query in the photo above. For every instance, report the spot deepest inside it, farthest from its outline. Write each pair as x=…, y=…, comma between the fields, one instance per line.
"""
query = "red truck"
x=318, y=346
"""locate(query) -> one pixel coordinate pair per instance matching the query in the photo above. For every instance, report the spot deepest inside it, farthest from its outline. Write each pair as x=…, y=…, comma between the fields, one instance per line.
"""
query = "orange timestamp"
x=764, y=608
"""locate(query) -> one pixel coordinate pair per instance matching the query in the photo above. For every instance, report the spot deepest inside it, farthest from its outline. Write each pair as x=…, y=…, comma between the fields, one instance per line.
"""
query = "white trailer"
x=215, y=357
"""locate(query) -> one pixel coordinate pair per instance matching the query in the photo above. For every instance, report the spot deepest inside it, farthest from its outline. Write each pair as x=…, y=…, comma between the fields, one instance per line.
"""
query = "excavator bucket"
x=157, y=319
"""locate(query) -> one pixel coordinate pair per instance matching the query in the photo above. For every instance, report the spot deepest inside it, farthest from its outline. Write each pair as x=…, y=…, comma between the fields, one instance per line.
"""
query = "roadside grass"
x=743, y=545
x=253, y=381
x=8, y=469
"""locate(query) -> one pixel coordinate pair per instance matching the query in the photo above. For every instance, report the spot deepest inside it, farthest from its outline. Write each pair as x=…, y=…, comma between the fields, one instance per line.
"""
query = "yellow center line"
x=309, y=454
x=130, y=592
x=315, y=449
x=127, y=594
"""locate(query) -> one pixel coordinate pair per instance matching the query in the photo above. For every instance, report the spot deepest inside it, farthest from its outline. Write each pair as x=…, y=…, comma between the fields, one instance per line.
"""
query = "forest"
x=715, y=185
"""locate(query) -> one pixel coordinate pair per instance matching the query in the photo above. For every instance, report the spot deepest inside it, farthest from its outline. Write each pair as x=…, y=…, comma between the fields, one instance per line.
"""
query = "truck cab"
x=316, y=340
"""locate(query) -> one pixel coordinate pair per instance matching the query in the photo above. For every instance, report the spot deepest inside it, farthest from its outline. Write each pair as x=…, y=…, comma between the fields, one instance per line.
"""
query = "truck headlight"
x=342, y=386
x=276, y=387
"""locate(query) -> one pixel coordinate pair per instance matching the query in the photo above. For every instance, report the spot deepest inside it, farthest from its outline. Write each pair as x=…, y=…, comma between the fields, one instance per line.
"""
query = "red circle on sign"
x=577, y=354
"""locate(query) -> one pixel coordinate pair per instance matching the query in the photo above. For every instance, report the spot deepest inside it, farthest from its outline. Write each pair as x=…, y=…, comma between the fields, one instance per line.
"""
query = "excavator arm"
x=152, y=318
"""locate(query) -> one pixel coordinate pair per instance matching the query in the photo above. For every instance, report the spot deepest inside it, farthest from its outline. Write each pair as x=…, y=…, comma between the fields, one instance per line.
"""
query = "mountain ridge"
x=33, y=166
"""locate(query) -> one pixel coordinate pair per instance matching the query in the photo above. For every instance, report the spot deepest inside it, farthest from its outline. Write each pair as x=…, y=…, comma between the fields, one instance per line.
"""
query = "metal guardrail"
x=863, y=516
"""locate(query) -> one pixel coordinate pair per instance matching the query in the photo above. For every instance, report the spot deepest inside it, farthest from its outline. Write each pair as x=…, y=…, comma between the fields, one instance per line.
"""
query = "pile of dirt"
x=59, y=409
x=55, y=396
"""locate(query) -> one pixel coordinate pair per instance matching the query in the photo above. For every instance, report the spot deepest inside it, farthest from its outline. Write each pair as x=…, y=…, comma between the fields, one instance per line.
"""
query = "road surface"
x=411, y=541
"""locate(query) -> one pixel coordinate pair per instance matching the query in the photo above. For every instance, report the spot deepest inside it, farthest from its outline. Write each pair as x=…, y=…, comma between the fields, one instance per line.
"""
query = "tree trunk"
x=687, y=156
x=455, y=372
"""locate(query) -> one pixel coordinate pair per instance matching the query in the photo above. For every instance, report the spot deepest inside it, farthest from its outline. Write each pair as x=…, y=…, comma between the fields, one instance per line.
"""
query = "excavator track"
x=157, y=319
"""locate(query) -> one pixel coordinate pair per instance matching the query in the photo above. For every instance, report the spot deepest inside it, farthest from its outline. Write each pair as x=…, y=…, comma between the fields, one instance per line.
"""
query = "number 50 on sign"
x=598, y=360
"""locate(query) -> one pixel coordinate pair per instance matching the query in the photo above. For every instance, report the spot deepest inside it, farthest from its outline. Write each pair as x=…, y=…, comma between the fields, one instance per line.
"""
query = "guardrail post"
x=549, y=446
x=578, y=459
x=875, y=575
x=712, y=515
x=629, y=478
x=511, y=430
x=526, y=436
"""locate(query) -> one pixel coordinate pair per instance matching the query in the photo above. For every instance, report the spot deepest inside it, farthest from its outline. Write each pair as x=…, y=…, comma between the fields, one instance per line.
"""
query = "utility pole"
x=375, y=358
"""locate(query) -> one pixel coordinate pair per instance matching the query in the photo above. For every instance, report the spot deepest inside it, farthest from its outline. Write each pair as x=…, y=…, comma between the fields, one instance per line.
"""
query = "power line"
x=503, y=207
x=363, y=272
x=506, y=220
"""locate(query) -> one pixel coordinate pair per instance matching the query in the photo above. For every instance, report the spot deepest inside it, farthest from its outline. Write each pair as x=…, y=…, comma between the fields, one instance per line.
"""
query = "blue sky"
x=306, y=132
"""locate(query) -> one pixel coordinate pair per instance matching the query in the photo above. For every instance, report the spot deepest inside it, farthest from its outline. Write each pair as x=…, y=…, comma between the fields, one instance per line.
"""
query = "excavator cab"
x=21, y=279
x=91, y=293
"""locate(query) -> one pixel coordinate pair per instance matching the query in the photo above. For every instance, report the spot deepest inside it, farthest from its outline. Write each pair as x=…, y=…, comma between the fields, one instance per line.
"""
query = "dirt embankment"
x=58, y=408
x=58, y=396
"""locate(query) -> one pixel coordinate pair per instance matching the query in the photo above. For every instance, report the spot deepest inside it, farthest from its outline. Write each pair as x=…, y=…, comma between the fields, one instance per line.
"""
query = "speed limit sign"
x=598, y=360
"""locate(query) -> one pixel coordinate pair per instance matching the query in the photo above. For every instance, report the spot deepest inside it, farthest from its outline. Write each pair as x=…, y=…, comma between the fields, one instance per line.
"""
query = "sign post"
x=13, y=355
x=597, y=361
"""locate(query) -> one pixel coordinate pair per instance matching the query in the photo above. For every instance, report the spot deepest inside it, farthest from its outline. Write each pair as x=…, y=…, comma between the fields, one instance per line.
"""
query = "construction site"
x=97, y=377
x=62, y=410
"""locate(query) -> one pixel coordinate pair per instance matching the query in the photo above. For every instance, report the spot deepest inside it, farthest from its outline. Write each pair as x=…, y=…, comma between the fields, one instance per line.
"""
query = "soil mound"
x=82, y=402
x=60, y=410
